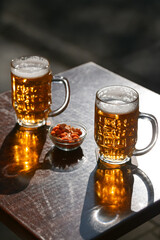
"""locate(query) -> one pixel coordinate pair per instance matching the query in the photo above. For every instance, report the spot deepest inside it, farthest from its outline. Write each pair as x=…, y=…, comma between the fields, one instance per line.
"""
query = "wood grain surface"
x=50, y=194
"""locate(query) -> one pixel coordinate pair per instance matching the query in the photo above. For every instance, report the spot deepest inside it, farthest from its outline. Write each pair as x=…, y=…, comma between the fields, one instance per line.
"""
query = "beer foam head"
x=117, y=100
x=30, y=67
x=116, y=108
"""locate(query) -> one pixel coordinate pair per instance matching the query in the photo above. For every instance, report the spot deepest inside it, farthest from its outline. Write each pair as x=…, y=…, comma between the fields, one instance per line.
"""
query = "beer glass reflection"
x=31, y=90
x=21, y=150
x=116, y=121
x=25, y=151
x=113, y=188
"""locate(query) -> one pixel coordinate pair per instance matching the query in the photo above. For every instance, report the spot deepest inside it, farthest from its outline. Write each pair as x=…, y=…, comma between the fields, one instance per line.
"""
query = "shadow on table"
x=19, y=157
x=109, y=198
x=63, y=161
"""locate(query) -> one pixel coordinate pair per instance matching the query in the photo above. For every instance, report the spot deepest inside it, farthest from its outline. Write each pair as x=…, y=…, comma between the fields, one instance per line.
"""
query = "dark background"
x=120, y=35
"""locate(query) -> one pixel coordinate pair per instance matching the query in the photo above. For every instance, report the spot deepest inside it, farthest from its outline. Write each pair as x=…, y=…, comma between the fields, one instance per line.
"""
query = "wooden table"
x=49, y=194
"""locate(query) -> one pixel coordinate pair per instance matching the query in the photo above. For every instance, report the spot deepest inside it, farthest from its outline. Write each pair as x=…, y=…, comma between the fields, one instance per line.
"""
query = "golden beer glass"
x=31, y=79
x=116, y=124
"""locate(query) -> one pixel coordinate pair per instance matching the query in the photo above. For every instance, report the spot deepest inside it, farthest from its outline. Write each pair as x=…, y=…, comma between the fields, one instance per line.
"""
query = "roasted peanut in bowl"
x=67, y=135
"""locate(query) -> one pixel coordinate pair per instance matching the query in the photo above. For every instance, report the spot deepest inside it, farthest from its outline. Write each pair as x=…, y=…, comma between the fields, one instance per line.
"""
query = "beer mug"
x=31, y=90
x=116, y=124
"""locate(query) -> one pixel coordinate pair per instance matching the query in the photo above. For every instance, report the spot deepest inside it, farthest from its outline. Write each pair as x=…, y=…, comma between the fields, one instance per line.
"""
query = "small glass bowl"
x=65, y=144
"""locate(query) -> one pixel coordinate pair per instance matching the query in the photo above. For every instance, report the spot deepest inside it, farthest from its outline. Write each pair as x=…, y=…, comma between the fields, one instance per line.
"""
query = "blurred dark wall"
x=122, y=35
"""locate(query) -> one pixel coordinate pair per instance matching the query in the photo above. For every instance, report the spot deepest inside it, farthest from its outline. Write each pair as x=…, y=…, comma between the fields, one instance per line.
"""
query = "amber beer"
x=31, y=90
x=116, y=118
x=113, y=189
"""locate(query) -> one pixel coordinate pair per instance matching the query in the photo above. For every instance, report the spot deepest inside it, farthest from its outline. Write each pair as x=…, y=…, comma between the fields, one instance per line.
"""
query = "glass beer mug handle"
x=154, y=124
x=60, y=79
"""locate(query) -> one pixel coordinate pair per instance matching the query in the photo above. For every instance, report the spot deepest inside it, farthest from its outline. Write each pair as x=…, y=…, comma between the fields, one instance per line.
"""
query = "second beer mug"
x=116, y=120
x=31, y=90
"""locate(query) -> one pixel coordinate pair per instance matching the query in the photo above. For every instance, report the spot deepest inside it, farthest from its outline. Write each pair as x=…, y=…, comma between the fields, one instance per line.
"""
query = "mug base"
x=31, y=125
x=114, y=161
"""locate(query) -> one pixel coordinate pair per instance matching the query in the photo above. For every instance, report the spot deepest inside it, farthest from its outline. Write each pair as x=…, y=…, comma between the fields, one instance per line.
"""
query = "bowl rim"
x=71, y=123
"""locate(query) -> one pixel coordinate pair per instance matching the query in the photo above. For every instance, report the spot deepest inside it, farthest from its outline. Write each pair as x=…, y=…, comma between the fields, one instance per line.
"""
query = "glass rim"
x=24, y=58
x=118, y=86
